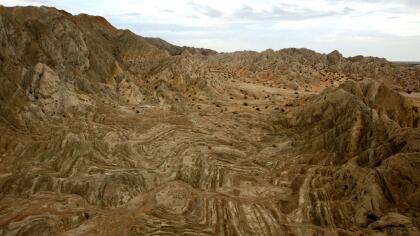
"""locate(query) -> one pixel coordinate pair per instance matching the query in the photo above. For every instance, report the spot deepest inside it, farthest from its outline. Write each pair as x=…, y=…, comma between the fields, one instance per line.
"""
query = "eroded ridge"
x=103, y=132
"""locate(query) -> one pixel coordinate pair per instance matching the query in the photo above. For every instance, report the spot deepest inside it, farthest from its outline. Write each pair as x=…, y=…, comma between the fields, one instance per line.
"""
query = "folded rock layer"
x=103, y=132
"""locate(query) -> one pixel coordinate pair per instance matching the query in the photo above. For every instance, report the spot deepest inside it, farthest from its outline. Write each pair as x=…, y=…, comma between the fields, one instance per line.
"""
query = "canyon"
x=104, y=132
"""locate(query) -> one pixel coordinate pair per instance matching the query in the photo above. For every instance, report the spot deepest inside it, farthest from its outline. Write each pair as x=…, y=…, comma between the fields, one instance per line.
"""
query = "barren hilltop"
x=104, y=132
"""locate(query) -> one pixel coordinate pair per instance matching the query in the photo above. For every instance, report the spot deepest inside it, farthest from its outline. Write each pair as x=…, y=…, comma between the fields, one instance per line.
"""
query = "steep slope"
x=103, y=132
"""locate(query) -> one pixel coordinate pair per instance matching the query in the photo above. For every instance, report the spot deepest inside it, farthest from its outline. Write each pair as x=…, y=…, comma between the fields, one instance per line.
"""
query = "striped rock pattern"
x=103, y=132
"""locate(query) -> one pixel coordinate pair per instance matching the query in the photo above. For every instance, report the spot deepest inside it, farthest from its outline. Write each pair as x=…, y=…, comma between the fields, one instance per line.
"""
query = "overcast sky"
x=384, y=28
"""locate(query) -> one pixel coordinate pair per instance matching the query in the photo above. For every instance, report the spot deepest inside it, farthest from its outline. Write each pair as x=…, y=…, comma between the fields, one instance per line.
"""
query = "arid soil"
x=104, y=132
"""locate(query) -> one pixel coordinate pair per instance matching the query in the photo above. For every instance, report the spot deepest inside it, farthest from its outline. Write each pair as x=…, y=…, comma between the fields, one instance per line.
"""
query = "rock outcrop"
x=360, y=136
x=103, y=132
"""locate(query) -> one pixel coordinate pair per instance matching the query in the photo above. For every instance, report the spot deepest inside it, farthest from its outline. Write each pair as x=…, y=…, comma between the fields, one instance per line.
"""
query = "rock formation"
x=103, y=132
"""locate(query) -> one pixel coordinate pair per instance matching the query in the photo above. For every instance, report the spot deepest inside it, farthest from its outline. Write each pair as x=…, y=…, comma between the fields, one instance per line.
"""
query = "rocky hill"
x=104, y=132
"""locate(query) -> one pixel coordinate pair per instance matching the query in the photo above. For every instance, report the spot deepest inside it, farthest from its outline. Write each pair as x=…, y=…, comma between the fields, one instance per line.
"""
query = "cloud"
x=206, y=10
x=167, y=11
x=286, y=12
x=126, y=14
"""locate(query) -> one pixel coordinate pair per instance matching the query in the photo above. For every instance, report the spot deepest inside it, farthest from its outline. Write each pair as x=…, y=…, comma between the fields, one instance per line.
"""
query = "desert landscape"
x=105, y=132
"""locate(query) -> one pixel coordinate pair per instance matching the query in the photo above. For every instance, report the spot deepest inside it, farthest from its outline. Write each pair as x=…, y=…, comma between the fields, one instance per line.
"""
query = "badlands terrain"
x=104, y=132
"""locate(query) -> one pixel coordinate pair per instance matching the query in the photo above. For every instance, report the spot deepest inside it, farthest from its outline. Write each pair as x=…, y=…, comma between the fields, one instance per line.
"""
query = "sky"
x=383, y=28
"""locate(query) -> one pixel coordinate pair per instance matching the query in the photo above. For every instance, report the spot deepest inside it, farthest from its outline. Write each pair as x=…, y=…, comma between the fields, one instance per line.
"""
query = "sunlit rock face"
x=103, y=132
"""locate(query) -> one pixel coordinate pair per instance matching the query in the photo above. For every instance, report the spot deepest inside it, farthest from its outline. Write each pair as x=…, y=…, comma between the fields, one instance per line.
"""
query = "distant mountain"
x=177, y=50
x=407, y=63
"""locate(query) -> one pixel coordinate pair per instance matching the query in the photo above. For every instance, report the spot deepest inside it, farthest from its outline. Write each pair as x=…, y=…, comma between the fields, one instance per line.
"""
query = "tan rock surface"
x=103, y=132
